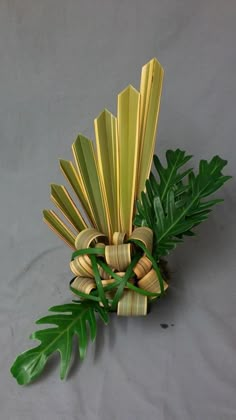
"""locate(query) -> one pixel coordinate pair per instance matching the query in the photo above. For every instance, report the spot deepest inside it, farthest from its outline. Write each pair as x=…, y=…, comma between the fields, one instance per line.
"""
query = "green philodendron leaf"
x=170, y=175
x=70, y=319
x=177, y=199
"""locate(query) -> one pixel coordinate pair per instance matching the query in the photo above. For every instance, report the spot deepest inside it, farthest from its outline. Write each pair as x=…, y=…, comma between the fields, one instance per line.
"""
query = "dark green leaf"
x=172, y=208
x=71, y=319
x=169, y=176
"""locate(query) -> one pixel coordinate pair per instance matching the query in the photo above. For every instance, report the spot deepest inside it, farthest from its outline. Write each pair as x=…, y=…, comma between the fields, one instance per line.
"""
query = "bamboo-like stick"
x=132, y=304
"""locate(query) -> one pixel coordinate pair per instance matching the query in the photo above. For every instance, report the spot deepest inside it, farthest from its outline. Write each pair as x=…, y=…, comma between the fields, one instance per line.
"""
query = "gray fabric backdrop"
x=61, y=63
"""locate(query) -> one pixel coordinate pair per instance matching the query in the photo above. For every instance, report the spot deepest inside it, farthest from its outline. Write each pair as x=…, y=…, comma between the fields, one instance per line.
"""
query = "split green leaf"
x=70, y=320
x=172, y=206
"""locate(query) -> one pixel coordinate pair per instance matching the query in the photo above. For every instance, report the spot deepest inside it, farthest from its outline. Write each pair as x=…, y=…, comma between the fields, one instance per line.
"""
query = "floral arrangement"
x=120, y=224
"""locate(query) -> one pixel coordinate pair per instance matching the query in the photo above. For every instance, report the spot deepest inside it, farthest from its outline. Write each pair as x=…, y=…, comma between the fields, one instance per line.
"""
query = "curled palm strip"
x=117, y=283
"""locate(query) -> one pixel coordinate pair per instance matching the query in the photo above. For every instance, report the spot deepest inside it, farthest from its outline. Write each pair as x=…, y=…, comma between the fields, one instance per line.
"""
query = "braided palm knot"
x=122, y=276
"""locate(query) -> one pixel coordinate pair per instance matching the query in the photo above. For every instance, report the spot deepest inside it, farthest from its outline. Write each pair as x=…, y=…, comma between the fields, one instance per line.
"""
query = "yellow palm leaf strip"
x=150, y=282
x=128, y=138
x=59, y=227
x=132, y=304
x=87, y=237
x=142, y=267
x=107, y=282
x=150, y=90
x=144, y=235
x=118, y=238
x=82, y=266
x=118, y=256
x=84, y=154
x=64, y=202
x=100, y=245
x=107, y=156
x=83, y=284
x=74, y=179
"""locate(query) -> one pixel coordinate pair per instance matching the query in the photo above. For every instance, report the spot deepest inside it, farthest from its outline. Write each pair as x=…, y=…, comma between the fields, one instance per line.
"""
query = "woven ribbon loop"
x=122, y=276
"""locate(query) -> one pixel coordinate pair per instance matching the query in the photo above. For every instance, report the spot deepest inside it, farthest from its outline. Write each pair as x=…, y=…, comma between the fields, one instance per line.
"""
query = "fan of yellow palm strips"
x=111, y=258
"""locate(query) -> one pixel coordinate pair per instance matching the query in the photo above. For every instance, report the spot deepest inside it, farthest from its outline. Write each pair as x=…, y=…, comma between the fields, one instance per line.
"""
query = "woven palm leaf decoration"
x=122, y=220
